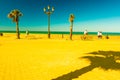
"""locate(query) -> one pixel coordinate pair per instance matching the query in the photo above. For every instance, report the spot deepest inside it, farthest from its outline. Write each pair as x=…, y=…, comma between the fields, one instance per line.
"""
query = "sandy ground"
x=37, y=58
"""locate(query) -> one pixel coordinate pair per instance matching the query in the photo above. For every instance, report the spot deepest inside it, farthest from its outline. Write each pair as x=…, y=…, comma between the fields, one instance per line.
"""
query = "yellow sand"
x=35, y=57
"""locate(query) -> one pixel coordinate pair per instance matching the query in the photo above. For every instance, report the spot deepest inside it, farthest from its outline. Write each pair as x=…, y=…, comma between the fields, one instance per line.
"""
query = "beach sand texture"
x=37, y=58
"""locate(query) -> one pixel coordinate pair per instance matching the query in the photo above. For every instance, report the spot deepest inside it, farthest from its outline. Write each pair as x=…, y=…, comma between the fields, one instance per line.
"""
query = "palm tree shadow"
x=103, y=59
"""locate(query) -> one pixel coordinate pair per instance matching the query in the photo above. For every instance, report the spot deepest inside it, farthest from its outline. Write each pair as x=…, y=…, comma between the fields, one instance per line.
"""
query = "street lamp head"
x=48, y=10
x=44, y=9
x=48, y=7
x=53, y=9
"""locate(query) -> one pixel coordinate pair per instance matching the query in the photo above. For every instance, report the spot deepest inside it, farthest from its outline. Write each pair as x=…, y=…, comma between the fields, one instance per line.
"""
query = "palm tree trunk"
x=17, y=30
x=71, y=29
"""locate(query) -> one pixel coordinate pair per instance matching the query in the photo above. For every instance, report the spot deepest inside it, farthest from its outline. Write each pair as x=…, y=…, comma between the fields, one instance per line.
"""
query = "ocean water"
x=60, y=32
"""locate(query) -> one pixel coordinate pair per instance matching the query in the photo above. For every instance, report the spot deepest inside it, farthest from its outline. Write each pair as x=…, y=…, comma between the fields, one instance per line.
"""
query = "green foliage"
x=14, y=14
x=71, y=19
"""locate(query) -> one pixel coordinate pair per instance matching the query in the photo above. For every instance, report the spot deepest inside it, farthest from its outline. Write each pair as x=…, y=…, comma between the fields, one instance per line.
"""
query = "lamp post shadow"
x=103, y=59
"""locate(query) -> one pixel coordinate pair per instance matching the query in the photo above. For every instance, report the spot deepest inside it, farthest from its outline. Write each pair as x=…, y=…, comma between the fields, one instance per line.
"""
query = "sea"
x=65, y=32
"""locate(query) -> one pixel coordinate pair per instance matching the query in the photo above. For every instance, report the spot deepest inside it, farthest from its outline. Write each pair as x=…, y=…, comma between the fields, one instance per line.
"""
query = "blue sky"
x=93, y=15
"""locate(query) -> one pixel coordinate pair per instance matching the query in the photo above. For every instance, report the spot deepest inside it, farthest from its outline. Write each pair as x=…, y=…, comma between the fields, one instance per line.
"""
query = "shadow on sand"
x=103, y=59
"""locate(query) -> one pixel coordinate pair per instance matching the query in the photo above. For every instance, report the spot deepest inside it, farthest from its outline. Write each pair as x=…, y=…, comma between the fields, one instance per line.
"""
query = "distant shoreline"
x=63, y=32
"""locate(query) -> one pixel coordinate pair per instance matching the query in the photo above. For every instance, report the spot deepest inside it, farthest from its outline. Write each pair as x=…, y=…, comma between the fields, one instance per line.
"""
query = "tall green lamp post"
x=48, y=11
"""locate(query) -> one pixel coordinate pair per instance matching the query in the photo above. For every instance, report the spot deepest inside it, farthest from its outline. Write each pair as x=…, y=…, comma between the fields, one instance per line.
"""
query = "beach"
x=35, y=57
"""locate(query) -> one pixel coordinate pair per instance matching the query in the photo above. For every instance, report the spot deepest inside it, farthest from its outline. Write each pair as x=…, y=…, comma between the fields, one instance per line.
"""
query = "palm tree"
x=14, y=14
x=71, y=19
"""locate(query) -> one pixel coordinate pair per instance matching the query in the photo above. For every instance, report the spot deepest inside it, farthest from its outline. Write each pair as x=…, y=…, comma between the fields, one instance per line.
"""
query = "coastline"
x=64, y=32
x=58, y=36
